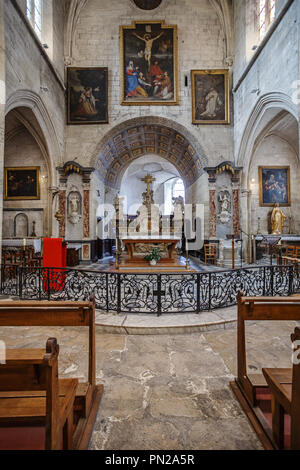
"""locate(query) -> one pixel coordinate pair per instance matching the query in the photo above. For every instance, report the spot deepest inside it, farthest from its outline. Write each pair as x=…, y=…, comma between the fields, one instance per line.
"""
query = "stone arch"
x=50, y=147
x=148, y=135
x=73, y=9
x=264, y=113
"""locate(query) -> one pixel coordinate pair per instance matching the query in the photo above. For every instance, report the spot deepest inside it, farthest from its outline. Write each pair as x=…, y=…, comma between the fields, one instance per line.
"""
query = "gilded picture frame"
x=149, y=64
x=87, y=95
x=274, y=186
x=210, y=96
x=22, y=183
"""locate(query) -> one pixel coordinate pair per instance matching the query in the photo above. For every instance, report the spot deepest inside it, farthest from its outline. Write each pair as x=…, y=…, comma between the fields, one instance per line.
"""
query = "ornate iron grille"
x=150, y=293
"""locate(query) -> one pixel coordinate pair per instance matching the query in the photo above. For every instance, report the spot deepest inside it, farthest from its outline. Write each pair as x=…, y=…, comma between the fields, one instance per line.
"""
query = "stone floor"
x=166, y=392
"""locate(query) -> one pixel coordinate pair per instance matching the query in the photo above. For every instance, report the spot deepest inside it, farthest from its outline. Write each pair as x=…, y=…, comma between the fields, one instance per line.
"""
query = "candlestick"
x=258, y=226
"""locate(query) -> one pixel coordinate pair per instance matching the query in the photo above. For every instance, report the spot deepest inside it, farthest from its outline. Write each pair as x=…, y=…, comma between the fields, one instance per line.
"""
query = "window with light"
x=266, y=15
x=34, y=14
x=178, y=189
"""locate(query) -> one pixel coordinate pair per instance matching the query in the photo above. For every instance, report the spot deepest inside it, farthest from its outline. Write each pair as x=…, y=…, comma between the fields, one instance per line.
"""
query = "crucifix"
x=149, y=180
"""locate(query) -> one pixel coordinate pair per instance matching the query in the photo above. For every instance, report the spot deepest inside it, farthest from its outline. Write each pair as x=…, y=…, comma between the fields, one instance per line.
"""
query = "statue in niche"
x=224, y=200
x=277, y=220
x=74, y=207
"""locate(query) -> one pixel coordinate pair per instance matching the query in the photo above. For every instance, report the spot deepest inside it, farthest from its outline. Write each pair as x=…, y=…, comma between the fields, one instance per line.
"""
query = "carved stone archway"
x=148, y=135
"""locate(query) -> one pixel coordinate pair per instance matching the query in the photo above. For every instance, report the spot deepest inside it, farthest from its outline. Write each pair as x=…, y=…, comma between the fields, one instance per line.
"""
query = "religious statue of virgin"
x=277, y=220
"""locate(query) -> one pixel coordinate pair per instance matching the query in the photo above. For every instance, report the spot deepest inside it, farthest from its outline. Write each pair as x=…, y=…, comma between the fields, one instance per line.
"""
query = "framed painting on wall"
x=87, y=90
x=149, y=64
x=21, y=183
x=210, y=97
x=274, y=185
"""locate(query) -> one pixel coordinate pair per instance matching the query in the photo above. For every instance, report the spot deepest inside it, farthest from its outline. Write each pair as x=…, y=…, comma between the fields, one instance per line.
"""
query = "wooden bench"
x=285, y=388
x=247, y=387
x=75, y=314
x=32, y=395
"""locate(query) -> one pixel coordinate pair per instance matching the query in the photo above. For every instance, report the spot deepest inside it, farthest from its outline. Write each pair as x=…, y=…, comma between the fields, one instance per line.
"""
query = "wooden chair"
x=247, y=387
x=285, y=387
x=32, y=395
x=75, y=314
x=290, y=252
x=210, y=253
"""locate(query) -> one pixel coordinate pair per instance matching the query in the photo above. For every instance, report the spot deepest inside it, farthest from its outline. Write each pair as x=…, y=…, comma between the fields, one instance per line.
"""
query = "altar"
x=149, y=246
x=139, y=247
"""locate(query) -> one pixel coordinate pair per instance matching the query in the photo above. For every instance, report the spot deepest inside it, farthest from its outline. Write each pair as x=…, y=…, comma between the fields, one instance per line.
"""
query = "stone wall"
x=275, y=70
x=200, y=45
x=27, y=69
x=274, y=151
x=20, y=151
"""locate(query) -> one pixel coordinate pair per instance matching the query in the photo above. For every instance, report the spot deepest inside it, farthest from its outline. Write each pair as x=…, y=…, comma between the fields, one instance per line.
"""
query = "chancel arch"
x=138, y=137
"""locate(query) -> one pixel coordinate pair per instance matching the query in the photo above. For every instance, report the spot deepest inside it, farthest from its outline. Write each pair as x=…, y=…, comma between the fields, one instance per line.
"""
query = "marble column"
x=236, y=211
x=212, y=213
x=86, y=213
x=62, y=212
x=2, y=111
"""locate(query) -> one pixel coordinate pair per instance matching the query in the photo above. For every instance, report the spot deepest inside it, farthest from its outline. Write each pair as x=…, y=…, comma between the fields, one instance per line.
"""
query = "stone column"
x=86, y=213
x=212, y=212
x=62, y=213
x=2, y=112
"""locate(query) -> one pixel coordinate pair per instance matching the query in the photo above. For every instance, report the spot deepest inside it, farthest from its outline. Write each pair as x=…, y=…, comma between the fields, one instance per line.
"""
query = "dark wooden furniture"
x=32, y=395
x=247, y=387
x=75, y=314
x=285, y=388
x=210, y=253
x=72, y=257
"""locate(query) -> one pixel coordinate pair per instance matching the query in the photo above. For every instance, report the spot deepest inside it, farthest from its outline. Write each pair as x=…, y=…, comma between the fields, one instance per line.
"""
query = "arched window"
x=266, y=15
x=178, y=189
x=34, y=14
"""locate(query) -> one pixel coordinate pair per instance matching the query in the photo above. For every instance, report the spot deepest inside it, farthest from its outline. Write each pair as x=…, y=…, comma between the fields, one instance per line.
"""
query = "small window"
x=34, y=14
x=266, y=15
x=178, y=189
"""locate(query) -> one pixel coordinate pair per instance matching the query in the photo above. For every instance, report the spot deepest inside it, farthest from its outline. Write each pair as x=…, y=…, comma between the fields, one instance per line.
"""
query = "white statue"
x=225, y=207
x=74, y=209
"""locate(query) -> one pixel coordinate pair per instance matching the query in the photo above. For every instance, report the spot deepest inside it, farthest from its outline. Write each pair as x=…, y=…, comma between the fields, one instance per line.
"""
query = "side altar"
x=150, y=236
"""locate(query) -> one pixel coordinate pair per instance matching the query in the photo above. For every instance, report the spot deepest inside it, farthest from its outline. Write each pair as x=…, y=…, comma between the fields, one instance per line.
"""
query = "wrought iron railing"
x=150, y=293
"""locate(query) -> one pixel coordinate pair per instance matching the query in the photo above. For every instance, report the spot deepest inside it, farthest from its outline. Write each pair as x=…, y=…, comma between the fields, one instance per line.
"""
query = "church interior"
x=149, y=155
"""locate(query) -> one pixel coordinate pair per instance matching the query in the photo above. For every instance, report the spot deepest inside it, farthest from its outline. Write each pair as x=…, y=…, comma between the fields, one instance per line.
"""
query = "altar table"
x=168, y=244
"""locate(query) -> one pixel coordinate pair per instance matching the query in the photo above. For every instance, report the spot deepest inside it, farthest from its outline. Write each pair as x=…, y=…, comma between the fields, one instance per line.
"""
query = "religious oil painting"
x=87, y=95
x=22, y=183
x=274, y=185
x=210, y=97
x=149, y=64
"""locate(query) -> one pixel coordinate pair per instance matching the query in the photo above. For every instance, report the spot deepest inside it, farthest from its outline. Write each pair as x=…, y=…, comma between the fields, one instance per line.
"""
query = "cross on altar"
x=148, y=180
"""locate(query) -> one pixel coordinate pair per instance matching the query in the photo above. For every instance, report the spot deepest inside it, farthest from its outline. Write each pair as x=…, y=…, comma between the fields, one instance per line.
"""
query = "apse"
x=168, y=183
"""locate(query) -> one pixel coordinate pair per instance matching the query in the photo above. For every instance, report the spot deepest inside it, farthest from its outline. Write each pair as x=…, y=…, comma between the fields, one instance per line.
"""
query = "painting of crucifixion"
x=149, y=64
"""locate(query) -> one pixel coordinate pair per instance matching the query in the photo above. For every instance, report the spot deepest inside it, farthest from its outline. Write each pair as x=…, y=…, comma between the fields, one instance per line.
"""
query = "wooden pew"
x=246, y=386
x=75, y=314
x=285, y=398
x=47, y=402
